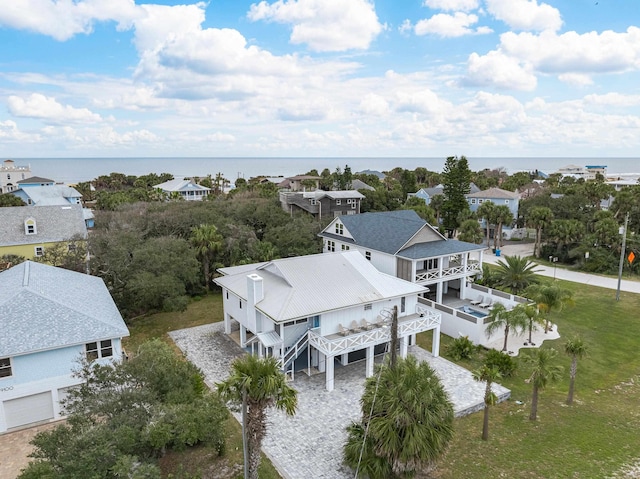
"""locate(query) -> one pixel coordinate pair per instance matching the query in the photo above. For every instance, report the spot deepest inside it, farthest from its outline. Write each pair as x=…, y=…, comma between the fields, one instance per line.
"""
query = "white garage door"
x=29, y=409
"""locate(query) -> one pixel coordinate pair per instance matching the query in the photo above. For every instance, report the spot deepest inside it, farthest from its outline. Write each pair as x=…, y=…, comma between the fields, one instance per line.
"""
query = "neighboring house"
x=29, y=230
x=50, y=318
x=361, y=185
x=48, y=195
x=427, y=194
x=402, y=244
x=310, y=311
x=10, y=174
x=322, y=203
x=35, y=181
x=588, y=172
x=298, y=183
x=188, y=189
x=498, y=197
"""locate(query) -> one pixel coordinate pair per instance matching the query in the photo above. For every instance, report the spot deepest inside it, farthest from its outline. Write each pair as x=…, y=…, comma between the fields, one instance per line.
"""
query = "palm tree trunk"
x=205, y=267
x=572, y=379
x=506, y=337
x=485, y=423
x=530, y=329
x=536, y=248
x=534, y=404
x=488, y=234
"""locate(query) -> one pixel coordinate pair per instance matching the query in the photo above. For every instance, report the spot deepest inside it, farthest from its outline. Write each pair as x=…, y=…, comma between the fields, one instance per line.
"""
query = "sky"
x=322, y=78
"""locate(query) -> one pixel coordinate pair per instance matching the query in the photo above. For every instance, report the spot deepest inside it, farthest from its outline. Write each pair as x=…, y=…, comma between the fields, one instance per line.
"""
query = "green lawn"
x=593, y=438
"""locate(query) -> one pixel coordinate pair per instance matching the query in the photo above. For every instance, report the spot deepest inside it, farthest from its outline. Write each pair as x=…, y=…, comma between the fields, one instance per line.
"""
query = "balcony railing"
x=333, y=345
x=459, y=270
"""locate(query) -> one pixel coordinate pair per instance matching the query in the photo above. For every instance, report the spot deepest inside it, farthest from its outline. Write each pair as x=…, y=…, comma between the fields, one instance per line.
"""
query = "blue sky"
x=391, y=78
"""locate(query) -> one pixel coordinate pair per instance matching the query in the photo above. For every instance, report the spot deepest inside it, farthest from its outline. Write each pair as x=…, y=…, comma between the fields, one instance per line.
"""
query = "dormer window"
x=339, y=228
x=30, y=226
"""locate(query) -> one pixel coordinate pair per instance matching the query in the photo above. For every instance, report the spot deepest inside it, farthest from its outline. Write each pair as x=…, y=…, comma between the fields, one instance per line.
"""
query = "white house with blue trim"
x=322, y=311
x=49, y=319
x=186, y=188
x=48, y=195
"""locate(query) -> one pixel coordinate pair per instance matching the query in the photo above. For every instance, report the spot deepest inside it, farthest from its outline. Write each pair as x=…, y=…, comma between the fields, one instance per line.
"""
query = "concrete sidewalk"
x=526, y=249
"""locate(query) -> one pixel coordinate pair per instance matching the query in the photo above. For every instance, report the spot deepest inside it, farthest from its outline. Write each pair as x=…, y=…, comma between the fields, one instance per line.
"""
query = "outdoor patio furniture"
x=478, y=300
x=355, y=327
x=366, y=325
x=344, y=331
x=486, y=303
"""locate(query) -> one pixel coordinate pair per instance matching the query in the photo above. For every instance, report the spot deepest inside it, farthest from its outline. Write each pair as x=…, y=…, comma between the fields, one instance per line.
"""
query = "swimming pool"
x=472, y=312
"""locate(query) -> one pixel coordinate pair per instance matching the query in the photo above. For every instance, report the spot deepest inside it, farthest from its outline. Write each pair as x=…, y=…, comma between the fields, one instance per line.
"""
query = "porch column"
x=227, y=324
x=413, y=271
x=463, y=280
x=243, y=336
x=344, y=359
x=439, y=292
x=480, y=256
x=328, y=375
x=435, y=346
x=403, y=347
x=322, y=362
x=369, y=361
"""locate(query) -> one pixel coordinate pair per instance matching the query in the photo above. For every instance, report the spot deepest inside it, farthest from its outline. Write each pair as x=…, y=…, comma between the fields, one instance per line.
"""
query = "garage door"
x=29, y=409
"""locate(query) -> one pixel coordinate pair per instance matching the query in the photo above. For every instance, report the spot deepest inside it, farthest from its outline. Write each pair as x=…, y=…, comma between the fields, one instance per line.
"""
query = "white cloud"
x=64, y=19
x=575, y=79
x=323, y=25
x=10, y=132
x=499, y=70
x=445, y=25
x=49, y=110
x=423, y=101
x=525, y=14
x=613, y=99
x=374, y=105
x=220, y=137
x=452, y=5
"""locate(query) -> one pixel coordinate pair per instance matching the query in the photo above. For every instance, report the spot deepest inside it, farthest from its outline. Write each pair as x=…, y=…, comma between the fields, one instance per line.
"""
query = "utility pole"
x=622, y=252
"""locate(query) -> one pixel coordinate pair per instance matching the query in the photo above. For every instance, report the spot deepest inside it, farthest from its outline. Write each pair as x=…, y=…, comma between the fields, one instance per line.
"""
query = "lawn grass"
x=595, y=436
x=200, y=461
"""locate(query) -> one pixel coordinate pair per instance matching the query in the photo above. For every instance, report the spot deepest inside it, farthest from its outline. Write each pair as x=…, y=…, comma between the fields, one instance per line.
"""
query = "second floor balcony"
x=455, y=270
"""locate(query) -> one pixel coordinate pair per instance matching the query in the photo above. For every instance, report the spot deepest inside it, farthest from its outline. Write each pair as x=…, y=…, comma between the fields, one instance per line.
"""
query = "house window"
x=39, y=251
x=431, y=263
x=30, y=226
x=5, y=367
x=480, y=202
x=331, y=246
x=227, y=293
x=72, y=247
x=349, y=201
x=240, y=302
x=506, y=202
x=339, y=228
x=354, y=204
x=338, y=202
x=403, y=305
x=99, y=349
x=345, y=247
x=315, y=321
x=313, y=202
x=367, y=255
x=473, y=201
x=368, y=306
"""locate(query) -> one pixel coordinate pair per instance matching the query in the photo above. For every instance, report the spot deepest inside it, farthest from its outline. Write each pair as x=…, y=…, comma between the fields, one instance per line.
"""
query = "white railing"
x=448, y=272
x=293, y=352
x=424, y=321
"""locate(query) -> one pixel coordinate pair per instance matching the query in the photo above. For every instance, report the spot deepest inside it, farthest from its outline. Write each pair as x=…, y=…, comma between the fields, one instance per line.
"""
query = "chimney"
x=255, y=289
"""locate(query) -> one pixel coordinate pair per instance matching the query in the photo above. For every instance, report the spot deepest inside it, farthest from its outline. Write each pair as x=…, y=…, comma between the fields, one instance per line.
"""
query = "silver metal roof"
x=43, y=307
x=50, y=195
x=309, y=285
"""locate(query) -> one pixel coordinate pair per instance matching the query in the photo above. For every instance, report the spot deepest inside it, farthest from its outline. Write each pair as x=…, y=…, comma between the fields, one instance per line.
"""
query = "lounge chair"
x=478, y=300
x=355, y=327
x=486, y=303
x=366, y=325
x=343, y=331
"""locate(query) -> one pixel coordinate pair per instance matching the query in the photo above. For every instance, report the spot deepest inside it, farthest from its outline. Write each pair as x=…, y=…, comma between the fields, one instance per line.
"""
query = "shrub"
x=461, y=348
x=502, y=362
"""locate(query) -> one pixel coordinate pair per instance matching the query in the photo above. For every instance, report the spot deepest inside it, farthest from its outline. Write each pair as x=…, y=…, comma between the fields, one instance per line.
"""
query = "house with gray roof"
x=50, y=318
x=427, y=194
x=321, y=203
x=497, y=196
x=48, y=195
x=319, y=312
x=28, y=230
x=402, y=244
x=35, y=181
x=186, y=188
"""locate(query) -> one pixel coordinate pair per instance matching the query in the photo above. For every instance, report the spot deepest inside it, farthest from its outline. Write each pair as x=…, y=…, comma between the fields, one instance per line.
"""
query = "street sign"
x=631, y=257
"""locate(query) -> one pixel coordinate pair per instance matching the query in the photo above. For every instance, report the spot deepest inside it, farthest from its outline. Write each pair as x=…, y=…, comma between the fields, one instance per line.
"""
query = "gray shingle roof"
x=386, y=231
x=35, y=179
x=53, y=224
x=438, y=248
x=43, y=307
x=497, y=193
x=304, y=286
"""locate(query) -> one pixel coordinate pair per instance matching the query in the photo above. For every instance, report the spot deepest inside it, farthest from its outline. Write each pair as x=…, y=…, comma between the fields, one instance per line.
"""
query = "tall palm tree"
x=542, y=372
x=516, y=273
x=575, y=348
x=406, y=425
x=550, y=298
x=502, y=319
x=470, y=232
x=257, y=384
x=502, y=216
x=207, y=242
x=487, y=211
x=539, y=218
x=487, y=375
x=533, y=316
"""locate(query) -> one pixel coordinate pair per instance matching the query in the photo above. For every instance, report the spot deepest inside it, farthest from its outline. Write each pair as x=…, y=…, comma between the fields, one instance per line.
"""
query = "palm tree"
x=539, y=217
x=502, y=216
x=502, y=319
x=406, y=425
x=550, y=298
x=487, y=212
x=470, y=232
x=575, y=348
x=533, y=315
x=207, y=242
x=257, y=384
x=487, y=375
x=542, y=372
x=516, y=273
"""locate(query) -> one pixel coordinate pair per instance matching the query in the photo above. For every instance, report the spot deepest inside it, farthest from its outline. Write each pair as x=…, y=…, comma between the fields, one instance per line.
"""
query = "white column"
x=329, y=374
x=439, y=292
x=243, y=336
x=435, y=346
x=322, y=362
x=314, y=357
x=344, y=359
x=56, y=403
x=463, y=286
x=227, y=324
x=369, y=361
x=403, y=347
x=414, y=269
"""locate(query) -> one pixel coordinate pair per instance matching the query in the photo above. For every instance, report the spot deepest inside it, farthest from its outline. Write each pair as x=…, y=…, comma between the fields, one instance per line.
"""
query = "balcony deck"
x=454, y=271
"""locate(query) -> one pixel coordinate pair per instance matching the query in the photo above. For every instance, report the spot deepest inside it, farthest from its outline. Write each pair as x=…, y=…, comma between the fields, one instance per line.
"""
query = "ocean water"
x=72, y=170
